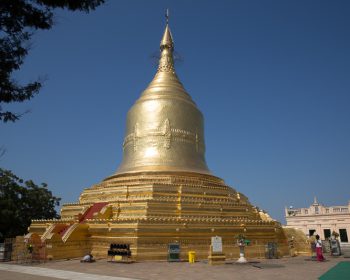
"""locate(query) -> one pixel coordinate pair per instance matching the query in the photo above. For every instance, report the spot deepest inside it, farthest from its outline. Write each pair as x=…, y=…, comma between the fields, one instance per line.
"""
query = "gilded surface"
x=162, y=192
x=164, y=128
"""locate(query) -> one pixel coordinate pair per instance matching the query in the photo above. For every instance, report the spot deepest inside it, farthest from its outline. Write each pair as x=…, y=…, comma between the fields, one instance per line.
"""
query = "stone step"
x=345, y=249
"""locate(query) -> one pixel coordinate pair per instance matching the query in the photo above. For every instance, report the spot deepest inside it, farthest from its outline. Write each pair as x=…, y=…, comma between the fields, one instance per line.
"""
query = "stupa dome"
x=164, y=128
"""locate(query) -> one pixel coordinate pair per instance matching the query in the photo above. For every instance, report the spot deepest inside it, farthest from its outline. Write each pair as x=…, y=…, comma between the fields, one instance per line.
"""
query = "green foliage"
x=18, y=20
x=20, y=202
x=240, y=237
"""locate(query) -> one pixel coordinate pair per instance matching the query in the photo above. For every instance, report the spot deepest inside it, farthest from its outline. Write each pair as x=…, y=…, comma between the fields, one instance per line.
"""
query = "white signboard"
x=216, y=243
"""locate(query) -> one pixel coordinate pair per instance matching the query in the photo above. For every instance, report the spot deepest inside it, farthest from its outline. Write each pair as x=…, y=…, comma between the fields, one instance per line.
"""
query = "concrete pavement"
x=264, y=269
x=8, y=271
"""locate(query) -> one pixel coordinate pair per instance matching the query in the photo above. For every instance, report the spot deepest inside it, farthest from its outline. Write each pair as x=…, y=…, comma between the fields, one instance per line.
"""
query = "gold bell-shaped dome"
x=164, y=130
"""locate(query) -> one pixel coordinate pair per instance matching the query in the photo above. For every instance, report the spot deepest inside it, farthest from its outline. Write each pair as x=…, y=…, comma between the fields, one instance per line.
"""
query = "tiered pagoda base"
x=150, y=210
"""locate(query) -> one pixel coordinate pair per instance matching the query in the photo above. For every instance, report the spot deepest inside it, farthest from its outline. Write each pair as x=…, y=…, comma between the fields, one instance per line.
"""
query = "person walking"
x=319, y=254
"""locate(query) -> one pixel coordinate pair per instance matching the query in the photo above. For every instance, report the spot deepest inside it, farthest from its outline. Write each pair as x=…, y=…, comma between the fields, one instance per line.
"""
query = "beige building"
x=321, y=220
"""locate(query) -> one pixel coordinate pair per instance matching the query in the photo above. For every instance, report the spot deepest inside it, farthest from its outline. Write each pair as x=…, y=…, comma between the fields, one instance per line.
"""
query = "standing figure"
x=319, y=254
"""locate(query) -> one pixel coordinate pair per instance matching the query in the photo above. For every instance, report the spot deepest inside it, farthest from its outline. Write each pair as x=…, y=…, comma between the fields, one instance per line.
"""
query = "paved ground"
x=284, y=269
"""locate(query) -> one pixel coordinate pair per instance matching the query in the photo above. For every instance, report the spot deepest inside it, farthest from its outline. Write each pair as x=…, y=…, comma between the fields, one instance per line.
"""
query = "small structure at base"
x=216, y=256
x=120, y=253
x=241, y=244
x=191, y=256
x=174, y=252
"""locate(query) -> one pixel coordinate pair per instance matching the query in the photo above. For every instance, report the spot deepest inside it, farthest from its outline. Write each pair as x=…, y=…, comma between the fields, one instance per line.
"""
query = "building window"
x=344, y=209
x=316, y=209
x=311, y=232
x=306, y=212
x=336, y=209
x=343, y=235
x=327, y=233
x=327, y=211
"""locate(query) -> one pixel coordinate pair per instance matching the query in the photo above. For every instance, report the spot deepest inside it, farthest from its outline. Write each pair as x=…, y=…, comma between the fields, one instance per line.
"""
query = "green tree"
x=22, y=201
x=18, y=20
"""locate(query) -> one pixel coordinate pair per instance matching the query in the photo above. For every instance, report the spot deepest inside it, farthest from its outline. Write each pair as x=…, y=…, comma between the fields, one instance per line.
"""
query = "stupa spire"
x=167, y=40
x=165, y=81
x=164, y=130
x=166, y=61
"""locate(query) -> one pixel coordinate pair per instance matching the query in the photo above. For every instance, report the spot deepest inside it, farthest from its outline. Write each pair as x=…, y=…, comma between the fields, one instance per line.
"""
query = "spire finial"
x=167, y=15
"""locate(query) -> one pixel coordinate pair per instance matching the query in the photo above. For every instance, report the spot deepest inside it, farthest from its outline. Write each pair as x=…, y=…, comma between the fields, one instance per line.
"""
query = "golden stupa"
x=163, y=191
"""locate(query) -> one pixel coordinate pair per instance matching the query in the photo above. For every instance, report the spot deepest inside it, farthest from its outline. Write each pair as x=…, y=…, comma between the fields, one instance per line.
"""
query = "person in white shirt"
x=319, y=254
x=88, y=258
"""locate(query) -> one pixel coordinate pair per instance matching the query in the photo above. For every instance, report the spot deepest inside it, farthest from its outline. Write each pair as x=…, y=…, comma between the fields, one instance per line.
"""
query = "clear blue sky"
x=272, y=79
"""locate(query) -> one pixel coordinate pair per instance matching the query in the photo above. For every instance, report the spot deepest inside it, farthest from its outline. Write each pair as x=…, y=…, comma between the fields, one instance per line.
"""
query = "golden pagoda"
x=163, y=191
